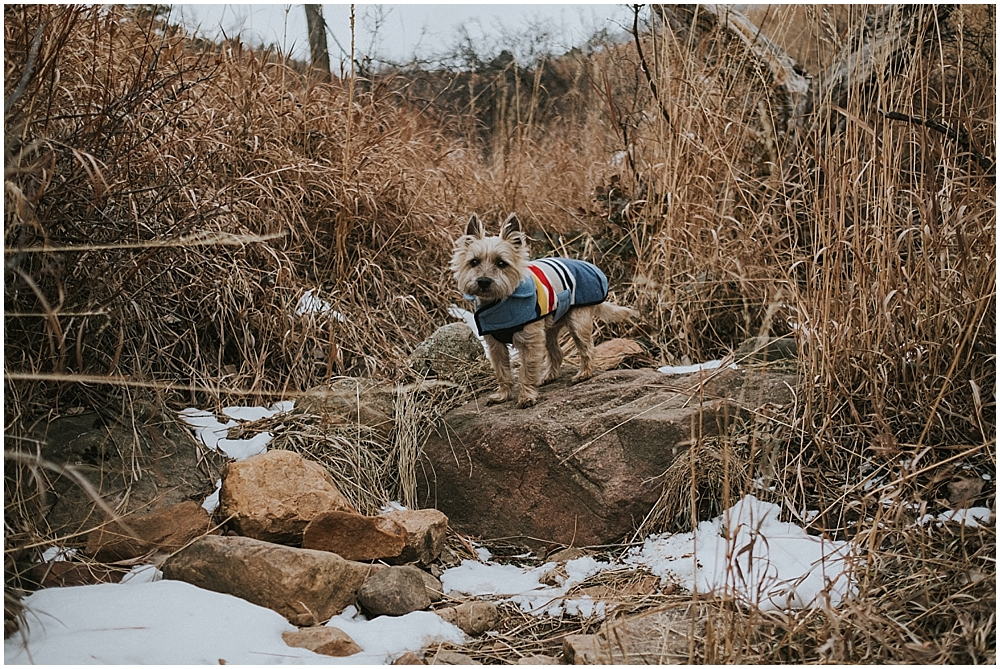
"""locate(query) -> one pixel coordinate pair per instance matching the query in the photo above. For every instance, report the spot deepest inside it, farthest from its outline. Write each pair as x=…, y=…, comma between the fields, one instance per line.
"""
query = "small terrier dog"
x=527, y=304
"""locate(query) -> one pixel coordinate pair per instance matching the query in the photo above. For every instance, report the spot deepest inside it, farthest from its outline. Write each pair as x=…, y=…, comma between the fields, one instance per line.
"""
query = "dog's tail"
x=609, y=312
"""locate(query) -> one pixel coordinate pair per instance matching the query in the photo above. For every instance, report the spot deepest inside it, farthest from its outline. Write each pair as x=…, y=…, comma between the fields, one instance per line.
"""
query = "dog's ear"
x=512, y=224
x=475, y=228
x=510, y=230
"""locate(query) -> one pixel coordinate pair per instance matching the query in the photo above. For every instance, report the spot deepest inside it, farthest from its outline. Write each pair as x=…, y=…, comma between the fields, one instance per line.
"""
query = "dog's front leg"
x=530, y=344
x=500, y=360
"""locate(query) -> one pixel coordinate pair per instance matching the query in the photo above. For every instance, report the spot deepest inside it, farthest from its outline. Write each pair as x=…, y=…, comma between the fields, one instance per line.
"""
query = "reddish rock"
x=307, y=587
x=323, y=640
x=273, y=496
x=355, y=537
x=425, y=533
x=583, y=466
x=167, y=529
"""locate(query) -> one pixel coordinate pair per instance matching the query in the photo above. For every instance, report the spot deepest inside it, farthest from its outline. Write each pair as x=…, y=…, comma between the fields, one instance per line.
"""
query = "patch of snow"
x=392, y=506
x=690, y=369
x=211, y=502
x=478, y=579
x=972, y=517
x=310, y=304
x=750, y=554
x=385, y=638
x=171, y=622
x=483, y=553
x=212, y=433
x=59, y=554
x=164, y=622
x=523, y=587
x=143, y=573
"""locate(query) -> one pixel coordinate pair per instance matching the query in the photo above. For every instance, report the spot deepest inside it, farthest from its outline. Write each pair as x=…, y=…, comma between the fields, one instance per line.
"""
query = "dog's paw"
x=497, y=398
x=525, y=402
x=581, y=376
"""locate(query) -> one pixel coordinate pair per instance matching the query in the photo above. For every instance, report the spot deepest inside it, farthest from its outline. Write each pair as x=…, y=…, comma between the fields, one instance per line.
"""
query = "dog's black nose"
x=484, y=283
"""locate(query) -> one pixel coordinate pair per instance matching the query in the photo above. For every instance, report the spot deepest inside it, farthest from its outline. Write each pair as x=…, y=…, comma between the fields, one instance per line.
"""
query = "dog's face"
x=490, y=268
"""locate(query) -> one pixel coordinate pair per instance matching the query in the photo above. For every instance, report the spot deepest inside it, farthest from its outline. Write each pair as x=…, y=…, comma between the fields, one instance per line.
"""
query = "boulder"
x=307, y=587
x=166, y=529
x=394, y=591
x=323, y=640
x=474, y=618
x=355, y=537
x=425, y=534
x=582, y=466
x=434, y=588
x=450, y=353
x=275, y=495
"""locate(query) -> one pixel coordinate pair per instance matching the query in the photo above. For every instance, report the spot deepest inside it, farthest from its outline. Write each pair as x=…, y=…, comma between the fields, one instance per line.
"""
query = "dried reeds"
x=865, y=227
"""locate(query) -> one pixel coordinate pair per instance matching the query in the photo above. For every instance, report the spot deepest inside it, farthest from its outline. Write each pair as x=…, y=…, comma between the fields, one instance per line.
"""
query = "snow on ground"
x=212, y=433
x=385, y=638
x=750, y=554
x=747, y=553
x=170, y=622
x=691, y=369
x=971, y=517
x=310, y=304
x=523, y=587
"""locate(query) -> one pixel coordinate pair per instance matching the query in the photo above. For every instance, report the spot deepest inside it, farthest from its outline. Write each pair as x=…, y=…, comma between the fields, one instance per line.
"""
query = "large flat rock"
x=581, y=467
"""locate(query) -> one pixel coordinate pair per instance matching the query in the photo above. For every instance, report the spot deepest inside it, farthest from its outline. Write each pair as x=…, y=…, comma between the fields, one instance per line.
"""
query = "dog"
x=528, y=304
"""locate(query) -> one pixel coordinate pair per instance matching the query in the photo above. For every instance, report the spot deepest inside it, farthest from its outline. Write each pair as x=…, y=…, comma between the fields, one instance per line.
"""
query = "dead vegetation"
x=167, y=205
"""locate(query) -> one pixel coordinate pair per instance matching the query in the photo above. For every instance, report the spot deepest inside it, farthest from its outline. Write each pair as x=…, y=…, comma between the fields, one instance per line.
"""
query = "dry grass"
x=168, y=203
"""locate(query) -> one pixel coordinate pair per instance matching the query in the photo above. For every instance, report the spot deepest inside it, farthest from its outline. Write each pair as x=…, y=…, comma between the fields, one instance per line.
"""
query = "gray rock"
x=394, y=591
x=450, y=353
x=473, y=618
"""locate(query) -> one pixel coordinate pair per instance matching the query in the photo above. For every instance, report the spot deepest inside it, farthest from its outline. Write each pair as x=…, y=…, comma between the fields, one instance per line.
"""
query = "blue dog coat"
x=552, y=286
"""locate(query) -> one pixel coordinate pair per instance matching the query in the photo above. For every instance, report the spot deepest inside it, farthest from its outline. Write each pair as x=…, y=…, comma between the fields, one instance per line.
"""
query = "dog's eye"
x=473, y=262
x=501, y=264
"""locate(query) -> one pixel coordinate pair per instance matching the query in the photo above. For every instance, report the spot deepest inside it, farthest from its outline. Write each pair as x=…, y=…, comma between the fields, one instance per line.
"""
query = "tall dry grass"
x=167, y=203
x=872, y=235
